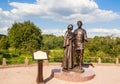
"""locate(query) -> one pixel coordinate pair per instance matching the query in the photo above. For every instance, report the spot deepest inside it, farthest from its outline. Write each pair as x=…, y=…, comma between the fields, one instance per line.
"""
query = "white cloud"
x=3, y=30
x=65, y=10
x=57, y=32
x=104, y=30
x=25, y=9
x=91, y=32
x=71, y=10
x=6, y=17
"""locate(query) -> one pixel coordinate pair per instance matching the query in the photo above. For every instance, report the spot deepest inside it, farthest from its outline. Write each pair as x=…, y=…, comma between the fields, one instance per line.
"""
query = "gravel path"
x=27, y=75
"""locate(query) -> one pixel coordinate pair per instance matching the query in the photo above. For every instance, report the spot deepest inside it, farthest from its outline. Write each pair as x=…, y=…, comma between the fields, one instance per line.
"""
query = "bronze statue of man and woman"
x=74, y=47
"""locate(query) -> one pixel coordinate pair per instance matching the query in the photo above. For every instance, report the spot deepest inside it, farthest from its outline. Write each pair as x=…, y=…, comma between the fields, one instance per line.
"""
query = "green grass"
x=13, y=57
x=56, y=55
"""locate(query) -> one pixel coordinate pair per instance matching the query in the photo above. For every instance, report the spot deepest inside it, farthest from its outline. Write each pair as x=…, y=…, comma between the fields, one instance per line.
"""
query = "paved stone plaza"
x=27, y=75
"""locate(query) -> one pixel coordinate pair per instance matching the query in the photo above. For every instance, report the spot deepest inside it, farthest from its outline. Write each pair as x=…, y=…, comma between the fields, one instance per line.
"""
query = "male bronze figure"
x=79, y=37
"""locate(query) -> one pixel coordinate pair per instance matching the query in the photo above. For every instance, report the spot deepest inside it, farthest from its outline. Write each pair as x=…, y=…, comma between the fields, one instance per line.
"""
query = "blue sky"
x=100, y=17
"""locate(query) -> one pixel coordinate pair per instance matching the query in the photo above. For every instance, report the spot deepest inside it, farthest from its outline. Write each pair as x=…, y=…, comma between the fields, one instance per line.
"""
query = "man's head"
x=79, y=23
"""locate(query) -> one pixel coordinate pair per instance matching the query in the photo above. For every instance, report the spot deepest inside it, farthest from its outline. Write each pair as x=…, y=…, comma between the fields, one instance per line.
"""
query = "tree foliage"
x=51, y=41
x=25, y=36
x=104, y=46
x=4, y=42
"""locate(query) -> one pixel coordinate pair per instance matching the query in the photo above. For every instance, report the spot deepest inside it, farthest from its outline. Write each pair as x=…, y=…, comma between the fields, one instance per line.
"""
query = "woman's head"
x=70, y=26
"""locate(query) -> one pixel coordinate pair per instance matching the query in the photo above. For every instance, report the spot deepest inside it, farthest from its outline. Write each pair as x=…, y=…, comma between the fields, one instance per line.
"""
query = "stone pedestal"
x=4, y=62
x=26, y=61
x=73, y=76
x=117, y=61
x=99, y=60
x=40, y=83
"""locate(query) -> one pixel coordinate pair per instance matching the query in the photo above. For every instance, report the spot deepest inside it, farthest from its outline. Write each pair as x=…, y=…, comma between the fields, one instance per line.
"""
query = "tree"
x=4, y=42
x=51, y=41
x=25, y=36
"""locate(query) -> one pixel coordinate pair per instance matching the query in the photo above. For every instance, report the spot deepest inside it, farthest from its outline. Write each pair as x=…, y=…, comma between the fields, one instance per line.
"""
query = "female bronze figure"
x=68, y=46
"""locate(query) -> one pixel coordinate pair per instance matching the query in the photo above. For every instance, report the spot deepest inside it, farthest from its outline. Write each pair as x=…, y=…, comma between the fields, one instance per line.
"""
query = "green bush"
x=1, y=56
x=56, y=55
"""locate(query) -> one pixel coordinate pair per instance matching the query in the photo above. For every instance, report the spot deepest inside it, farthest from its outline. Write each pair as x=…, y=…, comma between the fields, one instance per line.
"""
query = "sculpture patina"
x=74, y=42
x=79, y=37
x=68, y=49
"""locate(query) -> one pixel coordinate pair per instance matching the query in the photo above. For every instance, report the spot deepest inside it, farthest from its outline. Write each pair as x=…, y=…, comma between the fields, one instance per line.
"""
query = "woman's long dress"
x=68, y=52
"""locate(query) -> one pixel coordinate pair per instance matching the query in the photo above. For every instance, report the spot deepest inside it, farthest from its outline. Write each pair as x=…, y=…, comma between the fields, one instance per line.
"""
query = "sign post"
x=40, y=56
x=40, y=72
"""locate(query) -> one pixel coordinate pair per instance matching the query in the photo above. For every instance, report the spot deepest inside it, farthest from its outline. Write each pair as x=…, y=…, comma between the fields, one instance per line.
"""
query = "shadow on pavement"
x=48, y=79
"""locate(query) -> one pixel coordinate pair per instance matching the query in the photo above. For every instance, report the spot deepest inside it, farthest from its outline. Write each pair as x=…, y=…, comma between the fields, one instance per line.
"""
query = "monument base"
x=40, y=83
x=73, y=75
